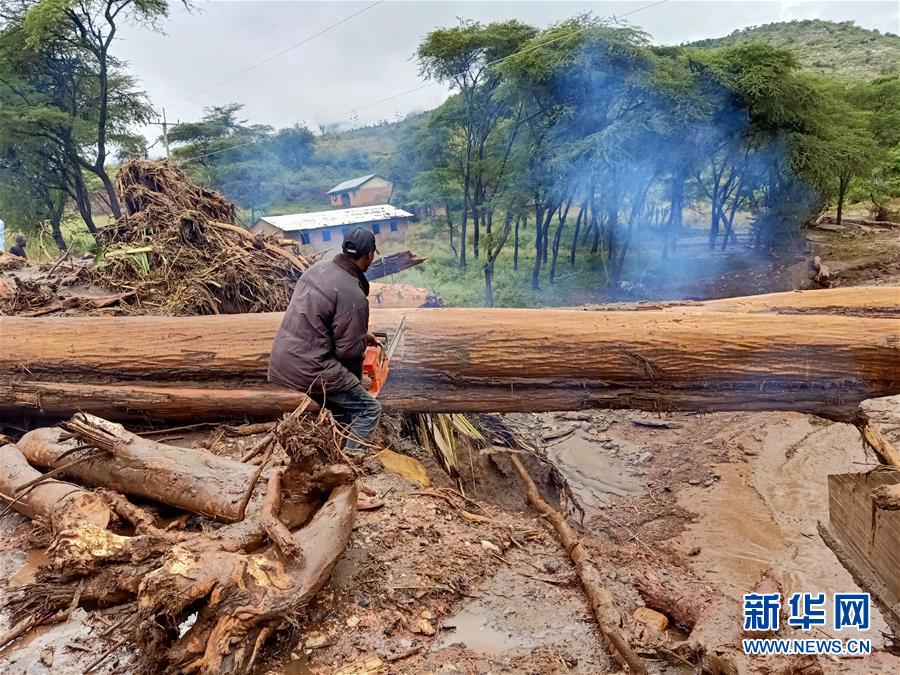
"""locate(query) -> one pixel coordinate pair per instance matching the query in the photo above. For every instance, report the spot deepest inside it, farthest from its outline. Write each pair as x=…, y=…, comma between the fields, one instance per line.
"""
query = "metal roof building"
x=323, y=230
x=351, y=184
x=313, y=221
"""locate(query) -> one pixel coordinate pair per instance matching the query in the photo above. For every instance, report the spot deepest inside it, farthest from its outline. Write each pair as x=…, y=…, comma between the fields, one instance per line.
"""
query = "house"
x=368, y=190
x=323, y=230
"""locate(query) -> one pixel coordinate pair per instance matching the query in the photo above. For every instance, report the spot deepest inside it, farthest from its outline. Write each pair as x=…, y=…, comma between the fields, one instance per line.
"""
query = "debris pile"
x=178, y=250
x=260, y=567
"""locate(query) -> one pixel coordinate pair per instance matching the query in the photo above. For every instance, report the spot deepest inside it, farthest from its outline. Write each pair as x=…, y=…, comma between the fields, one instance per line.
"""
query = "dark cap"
x=359, y=242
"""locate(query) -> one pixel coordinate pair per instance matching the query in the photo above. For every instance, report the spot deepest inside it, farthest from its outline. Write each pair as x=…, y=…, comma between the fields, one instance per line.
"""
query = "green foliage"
x=249, y=163
x=841, y=49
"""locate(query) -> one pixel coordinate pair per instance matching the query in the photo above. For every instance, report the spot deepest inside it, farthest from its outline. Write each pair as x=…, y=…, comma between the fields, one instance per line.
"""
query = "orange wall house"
x=325, y=230
x=368, y=190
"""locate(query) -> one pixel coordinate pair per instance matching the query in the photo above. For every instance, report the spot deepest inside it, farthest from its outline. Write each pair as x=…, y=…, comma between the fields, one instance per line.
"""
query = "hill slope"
x=843, y=49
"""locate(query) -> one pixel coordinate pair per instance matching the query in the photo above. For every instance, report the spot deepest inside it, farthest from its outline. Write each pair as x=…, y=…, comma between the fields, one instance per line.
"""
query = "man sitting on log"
x=320, y=346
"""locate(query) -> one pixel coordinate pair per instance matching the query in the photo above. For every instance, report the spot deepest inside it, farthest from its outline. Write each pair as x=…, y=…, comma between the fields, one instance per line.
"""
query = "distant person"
x=2, y=235
x=19, y=248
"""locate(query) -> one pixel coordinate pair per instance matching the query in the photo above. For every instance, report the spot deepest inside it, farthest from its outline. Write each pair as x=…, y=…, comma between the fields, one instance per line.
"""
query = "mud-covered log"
x=61, y=505
x=467, y=360
x=844, y=300
x=245, y=596
x=194, y=480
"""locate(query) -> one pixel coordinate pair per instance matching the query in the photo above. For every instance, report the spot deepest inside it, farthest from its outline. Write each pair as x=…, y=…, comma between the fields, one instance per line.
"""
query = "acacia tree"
x=585, y=115
x=464, y=57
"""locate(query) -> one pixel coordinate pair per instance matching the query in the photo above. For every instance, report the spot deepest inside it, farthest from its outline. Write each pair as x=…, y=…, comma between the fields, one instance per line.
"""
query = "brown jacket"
x=322, y=339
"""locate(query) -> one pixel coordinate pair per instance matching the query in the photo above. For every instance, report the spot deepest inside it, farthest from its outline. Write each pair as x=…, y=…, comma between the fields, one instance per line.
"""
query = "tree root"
x=600, y=598
x=241, y=589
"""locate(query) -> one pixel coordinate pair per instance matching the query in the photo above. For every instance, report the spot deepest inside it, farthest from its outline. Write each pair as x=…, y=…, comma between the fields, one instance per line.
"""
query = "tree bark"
x=61, y=505
x=516, y=244
x=557, y=238
x=843, y=182
x=194, y=480
x=695, y=357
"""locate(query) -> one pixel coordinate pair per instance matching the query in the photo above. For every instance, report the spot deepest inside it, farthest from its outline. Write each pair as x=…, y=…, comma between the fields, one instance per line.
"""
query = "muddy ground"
x=719, y=498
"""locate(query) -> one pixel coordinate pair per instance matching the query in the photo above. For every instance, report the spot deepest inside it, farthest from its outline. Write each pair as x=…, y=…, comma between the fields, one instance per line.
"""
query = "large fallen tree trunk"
x=59, y=504
x=195, y=480
x=466, y=360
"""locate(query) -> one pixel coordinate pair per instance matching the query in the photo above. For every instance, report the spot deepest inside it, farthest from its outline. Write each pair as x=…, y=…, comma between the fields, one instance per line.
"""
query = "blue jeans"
x=357, y=409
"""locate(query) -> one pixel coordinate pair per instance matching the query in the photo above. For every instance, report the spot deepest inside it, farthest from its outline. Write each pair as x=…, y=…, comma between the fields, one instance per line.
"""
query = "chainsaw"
x=376, y=362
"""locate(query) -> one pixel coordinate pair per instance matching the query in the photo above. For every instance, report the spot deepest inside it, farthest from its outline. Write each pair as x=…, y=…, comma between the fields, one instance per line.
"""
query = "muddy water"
x=595, y=473
x=762, y=513
x=27, y=573
x=516, y=615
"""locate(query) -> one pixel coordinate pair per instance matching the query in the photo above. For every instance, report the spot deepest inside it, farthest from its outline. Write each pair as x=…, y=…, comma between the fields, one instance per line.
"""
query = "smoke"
x=685, y=180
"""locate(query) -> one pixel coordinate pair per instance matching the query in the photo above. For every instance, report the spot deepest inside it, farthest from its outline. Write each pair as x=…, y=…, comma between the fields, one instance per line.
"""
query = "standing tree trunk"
x=714, y=209
x=582, y=215
x=83, y=200
x=462, y=231
x=476, y=234
x=516, y=244
x=540, y=244
x=843, y=183
x=556, y=239
x=488, y=283
x=450, y=229
x=675, y=214
x=493, y=252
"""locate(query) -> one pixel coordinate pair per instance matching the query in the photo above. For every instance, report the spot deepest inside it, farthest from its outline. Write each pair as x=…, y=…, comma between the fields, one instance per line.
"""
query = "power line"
x=489, y=64
x=279, y=54
x=431, y=84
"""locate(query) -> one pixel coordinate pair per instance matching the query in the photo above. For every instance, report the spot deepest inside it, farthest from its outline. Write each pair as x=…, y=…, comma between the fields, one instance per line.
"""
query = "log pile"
x=287, y=526
x=393, y=264
x=749, y=356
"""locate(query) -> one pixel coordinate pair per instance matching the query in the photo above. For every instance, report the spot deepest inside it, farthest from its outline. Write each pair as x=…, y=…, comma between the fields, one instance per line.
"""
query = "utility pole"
x=165, y=134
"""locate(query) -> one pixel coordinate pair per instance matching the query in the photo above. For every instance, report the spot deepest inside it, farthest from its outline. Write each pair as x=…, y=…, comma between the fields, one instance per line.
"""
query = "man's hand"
x=372, y=341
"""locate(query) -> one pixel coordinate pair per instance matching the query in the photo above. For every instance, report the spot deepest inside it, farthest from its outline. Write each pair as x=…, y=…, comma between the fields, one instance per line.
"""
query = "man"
x=320, y=346
x=2, y=235
x=19, y=248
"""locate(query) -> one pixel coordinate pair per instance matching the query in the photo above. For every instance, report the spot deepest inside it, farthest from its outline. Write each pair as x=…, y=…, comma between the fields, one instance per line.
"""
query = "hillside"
x=843, y=49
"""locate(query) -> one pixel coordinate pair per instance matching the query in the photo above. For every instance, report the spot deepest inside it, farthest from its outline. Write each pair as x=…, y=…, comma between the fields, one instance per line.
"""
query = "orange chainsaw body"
x=375, y=367
x=377, y=360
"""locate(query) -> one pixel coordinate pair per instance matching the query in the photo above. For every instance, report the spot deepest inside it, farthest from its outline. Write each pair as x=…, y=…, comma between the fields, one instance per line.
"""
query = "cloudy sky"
x=369, y=57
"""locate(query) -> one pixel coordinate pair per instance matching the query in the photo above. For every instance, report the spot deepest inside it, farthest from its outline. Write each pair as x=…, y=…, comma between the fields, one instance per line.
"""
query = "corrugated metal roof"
x=351, y=184
x=335, y=218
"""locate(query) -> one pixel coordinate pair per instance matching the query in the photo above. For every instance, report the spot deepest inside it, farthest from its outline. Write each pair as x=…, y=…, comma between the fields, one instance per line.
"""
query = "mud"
x=762, y=513
x=419, y=589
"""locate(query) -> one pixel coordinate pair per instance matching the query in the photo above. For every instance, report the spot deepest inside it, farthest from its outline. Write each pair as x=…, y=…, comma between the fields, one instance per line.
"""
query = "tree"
x=294, y=146
x=464, y=57
x=60, y=83
x=86, y=29
x=241, y=160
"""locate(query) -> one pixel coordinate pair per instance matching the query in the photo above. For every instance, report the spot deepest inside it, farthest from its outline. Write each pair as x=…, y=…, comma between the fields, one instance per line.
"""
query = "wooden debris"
x=600, y=598
x=393, y=264
x=241, y=590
